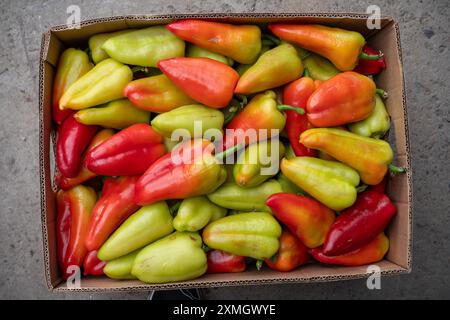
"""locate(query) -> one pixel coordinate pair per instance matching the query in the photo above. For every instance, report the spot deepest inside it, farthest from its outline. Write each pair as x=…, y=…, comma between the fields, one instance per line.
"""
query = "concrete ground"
x=425, y=40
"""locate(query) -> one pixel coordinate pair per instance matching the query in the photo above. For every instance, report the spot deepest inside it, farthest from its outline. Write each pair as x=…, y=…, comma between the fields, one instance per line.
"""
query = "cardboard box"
x=398, y=259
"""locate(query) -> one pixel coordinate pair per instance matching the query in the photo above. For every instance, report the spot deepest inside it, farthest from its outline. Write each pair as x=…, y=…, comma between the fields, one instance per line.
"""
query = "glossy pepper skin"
x=361, y=223
x=258, y=163
x=176, y=257
x=260, y=113
x=74, y=209
x=156, y=94
x=188, y=171
x=73, y=138
x=223, y=262
x=116, y=114
x=129, y=152
x=113, y=207
x=144, y=47
x=194, y=51
x=146, y=225
x=296, y=94
x=92, y=265
x=195, y=213
x=252, y=234
x=120, y=268
x=97, y=40
x=102, y=84
x=84, y=173
x=376, y=124
x=370, y=67
x=341, y=47
x=231, y=196
x=291, y=254
x=345, y=98
x=273, y=68
x=185, y=117
x=239, y=42
x=205, y=80
x=287, y=185
x=332, y=183
x=319, y=68
x=72, y=65
x=372, y=252
x=370, y=157
x=307, y=218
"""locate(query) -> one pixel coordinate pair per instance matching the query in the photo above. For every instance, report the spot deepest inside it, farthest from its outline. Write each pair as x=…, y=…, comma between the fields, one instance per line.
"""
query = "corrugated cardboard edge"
x=44, y=48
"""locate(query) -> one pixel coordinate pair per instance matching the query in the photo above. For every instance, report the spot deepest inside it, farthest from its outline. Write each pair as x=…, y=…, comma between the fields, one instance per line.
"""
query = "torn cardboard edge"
x=398, y=260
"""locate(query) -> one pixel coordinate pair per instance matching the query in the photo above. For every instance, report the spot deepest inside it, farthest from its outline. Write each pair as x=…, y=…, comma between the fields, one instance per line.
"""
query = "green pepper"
x=241, y=68
x=143, y=227
x=145, y=47
x=231, y=196
x=319, y=68
x=287, y=185
x=330, y=182
x=195, y=213
x=185, y=117
x=289, y=154
x=120, y=268
x=194, y=51
x=257, y=164
x=96, y=42
x=376, y=125
x=103, y=83
x=116, y=114
x=251, y=234
x=176, y=257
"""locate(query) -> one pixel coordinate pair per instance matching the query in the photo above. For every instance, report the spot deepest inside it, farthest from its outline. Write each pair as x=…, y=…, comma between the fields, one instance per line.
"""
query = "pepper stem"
x=366, y=56
x=361, y=188
x=139, y=69
x=381, y=93
x=174, y=208
x=287, y=107
x=395, y=169
x=306, y=73
x=224, y=154
x=272, y=39
x=205, y=248
x=259, y=264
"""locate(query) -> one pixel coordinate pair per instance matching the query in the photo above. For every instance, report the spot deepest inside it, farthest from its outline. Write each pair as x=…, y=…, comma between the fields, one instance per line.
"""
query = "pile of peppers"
x=128, y=210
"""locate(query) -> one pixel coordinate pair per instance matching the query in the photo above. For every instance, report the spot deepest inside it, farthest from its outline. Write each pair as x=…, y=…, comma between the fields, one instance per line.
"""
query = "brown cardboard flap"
x=308, y=273
x=387, y=39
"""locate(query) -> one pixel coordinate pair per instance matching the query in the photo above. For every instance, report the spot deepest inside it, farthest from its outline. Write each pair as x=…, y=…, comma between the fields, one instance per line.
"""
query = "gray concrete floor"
x=425, y=39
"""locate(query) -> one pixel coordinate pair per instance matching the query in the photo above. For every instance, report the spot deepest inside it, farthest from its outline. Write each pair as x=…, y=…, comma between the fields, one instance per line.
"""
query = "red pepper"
x=361, y=223
x=187, y=171
x=292, y=253
x=369, y=66
x=74, y=209
x=296, y=94
x=129, y=152
x=305, y=217
x=372, y=252
x=205, y=80
x=114, y=206
x=84, y=173
x=92, y=265
x=73, y=138
x=220, y=261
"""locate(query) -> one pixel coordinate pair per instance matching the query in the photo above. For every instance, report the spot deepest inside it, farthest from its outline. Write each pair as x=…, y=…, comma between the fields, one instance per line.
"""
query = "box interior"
x=398, y=259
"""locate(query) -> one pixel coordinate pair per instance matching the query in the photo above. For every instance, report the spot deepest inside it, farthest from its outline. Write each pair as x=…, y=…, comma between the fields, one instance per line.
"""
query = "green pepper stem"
x=174, y=208
x=287, y=107
x=272, y=39
x=361, y=188
x=139, y=69
x=205, y=248
x=259, y=264
x=229, y=151
x=381, y=93
x=395, y=169
x=306, y=73
x=366, y=56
